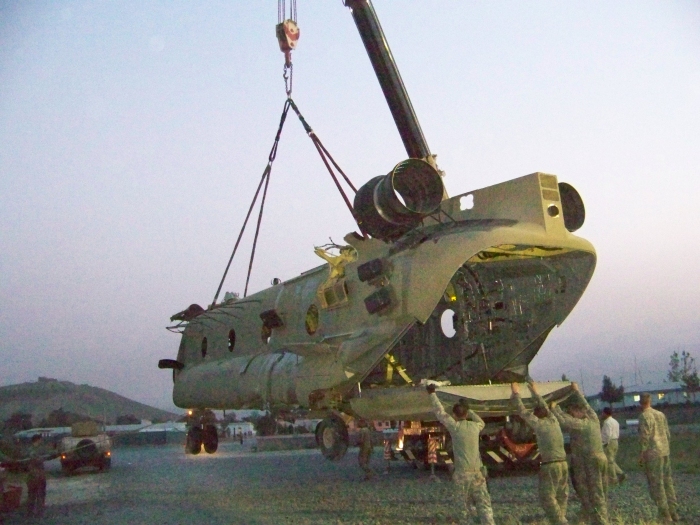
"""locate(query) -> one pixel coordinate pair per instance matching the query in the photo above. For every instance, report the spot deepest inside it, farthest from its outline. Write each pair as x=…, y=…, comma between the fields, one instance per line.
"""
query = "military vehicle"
x=459, y=290
x=87, y=446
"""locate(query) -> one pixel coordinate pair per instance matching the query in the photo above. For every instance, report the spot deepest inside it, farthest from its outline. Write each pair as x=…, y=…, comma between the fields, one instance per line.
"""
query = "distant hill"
x=46, y=395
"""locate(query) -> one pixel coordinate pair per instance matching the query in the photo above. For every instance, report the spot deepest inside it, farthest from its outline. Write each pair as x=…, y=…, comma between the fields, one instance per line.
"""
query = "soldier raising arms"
x=464, y=429
x=587, y=457
x=554, y=472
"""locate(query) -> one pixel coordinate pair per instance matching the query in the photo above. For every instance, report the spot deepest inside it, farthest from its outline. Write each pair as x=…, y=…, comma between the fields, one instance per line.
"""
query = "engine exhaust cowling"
x=572, y=207
x=388, y=206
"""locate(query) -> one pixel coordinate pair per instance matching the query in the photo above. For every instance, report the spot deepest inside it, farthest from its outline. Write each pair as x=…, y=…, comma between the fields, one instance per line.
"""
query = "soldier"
x=3, y=476
x=36, y=476
x=588, y=460
x=387, y=455
x=464, y=429
x=554, y=472
x=610, y=433
x=655, y=439
x=365, y=452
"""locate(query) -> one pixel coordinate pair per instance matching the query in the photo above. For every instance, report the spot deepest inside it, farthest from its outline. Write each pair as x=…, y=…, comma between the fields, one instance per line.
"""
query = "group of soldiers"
x=36, y=476
x=593, y=452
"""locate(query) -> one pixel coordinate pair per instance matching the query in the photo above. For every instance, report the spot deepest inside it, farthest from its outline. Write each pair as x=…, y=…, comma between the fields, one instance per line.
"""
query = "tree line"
x=19, y=421
x=682, y=369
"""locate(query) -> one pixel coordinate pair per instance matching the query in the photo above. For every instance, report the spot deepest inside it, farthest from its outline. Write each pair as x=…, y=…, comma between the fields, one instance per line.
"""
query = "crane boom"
x=389, y=78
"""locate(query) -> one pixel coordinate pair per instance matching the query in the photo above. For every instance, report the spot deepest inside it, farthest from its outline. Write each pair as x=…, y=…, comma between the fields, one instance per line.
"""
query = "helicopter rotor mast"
x=390, y=79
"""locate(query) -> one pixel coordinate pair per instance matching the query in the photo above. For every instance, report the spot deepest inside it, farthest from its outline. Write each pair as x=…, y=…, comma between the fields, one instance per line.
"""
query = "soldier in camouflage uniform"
x=588, y=459
x=365, y=452
x=464, y=429
x=3, y=475
x=36, y=476
x=554, y=472
x=655, y=439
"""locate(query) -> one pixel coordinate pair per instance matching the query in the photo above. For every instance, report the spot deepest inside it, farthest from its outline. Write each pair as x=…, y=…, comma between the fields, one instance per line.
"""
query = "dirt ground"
x=162, y=485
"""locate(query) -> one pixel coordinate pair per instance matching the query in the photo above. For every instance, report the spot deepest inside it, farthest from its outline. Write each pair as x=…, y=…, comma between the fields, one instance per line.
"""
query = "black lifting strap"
x=325, y=157
x=264, y=179
x=323, y=152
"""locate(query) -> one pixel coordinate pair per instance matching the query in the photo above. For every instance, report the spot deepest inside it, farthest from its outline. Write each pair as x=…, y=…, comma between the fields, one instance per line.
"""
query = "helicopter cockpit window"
x=231, y=340
x=204, y=348
x=311, y=321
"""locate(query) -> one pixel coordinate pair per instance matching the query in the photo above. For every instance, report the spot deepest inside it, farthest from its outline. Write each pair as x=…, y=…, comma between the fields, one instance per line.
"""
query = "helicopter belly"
x=412, y=403
x=237, y=382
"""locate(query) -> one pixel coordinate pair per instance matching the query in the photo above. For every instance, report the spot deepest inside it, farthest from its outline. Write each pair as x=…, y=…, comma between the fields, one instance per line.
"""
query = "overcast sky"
x=132, y=136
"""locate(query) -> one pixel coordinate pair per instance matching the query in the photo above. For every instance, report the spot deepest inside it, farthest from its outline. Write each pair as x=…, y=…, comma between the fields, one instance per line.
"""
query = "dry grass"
x=685, y=453
x=162, y=485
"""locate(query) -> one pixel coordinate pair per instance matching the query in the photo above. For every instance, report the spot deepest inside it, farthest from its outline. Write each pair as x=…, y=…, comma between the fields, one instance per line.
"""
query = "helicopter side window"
x=204, y=348
x=447, y=323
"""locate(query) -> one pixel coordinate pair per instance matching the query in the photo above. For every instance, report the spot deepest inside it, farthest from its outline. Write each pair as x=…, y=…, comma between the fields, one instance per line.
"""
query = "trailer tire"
x=332, y=437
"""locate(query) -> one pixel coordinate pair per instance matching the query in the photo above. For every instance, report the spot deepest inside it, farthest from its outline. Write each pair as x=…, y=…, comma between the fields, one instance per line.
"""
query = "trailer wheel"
x=332, y=437
x=210, y=438
x=194, y=440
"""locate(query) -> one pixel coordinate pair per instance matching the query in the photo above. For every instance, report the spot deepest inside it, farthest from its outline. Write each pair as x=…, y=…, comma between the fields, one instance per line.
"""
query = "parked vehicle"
x=87, y=446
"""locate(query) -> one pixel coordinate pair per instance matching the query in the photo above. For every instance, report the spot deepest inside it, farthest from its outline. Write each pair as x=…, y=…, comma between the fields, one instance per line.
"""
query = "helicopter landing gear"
x=194, y=440
x=210, y=439
x=201, y=431
x=332, y=437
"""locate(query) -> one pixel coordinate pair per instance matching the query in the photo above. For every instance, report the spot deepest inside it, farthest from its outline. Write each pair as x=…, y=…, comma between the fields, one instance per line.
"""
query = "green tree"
x=610, y=393
x=266, y=425
x=17, y=422
x=689, y=374
x=564, y=378
x=681, y=366
x=128, y=419
x=691, y=382
x=682, y=369
x=63, y=418
x=674, y=368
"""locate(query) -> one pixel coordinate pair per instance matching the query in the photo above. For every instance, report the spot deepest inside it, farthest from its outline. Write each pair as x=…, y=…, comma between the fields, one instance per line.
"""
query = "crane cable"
x=287, y=32
x=287, y=35
x=264, y=183
x=264, y=179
